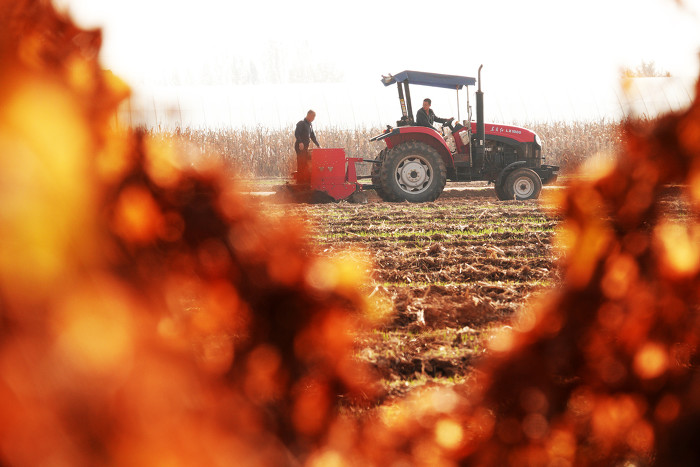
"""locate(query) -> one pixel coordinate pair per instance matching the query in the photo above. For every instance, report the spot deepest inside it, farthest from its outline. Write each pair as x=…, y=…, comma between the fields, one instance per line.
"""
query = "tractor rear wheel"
x=522, y=184
x=412, y=172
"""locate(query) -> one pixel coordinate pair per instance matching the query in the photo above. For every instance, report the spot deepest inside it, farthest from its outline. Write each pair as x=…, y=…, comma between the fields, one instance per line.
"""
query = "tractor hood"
x=521, y=135
x=429, y=79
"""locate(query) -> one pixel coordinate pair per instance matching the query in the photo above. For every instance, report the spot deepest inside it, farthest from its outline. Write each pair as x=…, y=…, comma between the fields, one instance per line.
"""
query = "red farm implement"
x=332, y=176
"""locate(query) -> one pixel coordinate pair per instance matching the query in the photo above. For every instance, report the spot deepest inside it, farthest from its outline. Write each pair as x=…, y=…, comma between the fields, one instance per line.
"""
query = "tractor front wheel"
x=522, y=184
x=412, y=172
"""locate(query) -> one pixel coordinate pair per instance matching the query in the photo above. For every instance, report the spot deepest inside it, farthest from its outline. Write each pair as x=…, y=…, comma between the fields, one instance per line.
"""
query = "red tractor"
x=418, y=161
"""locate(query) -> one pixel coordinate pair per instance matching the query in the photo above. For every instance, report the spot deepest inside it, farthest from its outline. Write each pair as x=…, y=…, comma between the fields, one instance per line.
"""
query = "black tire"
x=413, y=172
x=376, y=180
x=522, y=184
x=500, y=189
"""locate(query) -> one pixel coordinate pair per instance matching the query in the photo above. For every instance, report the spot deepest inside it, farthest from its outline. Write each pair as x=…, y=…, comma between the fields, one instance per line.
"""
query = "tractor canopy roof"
x=429, y=79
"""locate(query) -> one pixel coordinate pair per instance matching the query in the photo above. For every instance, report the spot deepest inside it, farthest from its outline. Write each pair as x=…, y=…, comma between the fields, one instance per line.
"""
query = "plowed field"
x=445, y=273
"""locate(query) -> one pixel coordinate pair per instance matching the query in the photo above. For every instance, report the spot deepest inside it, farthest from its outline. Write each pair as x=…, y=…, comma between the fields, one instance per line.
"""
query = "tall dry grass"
x=267, y=153
x=264, y=152
x=569, y=144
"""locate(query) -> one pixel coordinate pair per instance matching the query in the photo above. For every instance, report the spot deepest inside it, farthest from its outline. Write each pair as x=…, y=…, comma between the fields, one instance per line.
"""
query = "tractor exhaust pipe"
x=480, y=130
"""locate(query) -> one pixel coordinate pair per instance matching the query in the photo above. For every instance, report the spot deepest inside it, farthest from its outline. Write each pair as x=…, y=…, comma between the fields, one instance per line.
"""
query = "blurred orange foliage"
x=150, y=316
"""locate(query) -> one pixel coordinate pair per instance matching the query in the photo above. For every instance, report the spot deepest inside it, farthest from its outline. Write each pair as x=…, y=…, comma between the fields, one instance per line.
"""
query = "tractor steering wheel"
x=448, y=124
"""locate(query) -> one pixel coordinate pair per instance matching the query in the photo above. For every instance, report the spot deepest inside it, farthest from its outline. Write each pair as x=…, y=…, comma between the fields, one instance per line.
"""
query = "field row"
x=447, y=273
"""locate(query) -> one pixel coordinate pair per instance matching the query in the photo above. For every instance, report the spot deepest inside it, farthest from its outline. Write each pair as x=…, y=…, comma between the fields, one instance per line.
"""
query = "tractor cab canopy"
x=429, y=79
x=403, y=79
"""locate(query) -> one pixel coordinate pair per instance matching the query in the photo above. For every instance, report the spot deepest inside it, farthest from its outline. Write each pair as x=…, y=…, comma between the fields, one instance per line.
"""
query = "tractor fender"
x=507, y=170
x=385, y=134
x=421, y=134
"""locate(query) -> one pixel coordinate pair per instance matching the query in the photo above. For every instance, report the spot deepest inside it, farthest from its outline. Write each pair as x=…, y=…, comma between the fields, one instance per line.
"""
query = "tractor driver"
x=303, y=135
x=426, y=117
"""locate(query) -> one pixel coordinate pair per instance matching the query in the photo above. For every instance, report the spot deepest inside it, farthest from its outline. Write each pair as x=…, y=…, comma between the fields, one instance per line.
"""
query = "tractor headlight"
x=538, y=141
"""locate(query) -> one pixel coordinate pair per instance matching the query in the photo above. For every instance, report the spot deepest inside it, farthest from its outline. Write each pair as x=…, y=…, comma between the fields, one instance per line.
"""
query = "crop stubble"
x=445, y=273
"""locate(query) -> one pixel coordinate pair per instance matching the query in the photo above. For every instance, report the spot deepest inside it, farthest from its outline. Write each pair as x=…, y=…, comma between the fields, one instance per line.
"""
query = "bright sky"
x=537, y=50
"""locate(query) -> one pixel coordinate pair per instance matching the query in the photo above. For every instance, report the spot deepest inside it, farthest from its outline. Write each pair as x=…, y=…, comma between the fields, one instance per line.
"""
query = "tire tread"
x=386, y=172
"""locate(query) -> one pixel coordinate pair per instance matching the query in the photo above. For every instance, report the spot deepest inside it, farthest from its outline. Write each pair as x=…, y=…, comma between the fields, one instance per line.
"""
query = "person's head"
x=426, y=104
x=310, y=115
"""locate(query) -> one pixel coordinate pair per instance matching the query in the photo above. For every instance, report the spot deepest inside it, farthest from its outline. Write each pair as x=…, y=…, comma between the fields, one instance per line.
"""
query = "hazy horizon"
x=543, y=59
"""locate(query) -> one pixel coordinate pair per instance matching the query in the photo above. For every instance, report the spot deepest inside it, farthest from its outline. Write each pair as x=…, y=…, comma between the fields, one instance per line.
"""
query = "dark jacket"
x=427, y=119
x=304, y=133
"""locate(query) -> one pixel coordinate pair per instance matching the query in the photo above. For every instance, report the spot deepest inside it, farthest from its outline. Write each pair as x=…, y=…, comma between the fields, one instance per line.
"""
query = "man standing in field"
x=426, y=117
x=303, y=135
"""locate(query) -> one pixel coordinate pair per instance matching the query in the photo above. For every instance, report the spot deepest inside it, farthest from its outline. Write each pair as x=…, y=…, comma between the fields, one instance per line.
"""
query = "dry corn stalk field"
x=267, y=153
